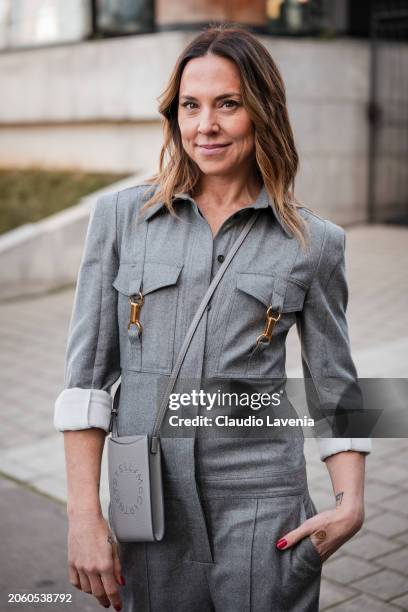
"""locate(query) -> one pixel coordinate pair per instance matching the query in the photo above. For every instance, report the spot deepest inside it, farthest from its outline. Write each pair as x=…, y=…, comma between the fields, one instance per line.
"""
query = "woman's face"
x=215, y=128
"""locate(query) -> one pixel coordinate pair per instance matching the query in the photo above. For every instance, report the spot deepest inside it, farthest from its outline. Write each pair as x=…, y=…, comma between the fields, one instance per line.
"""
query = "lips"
x=209, y=147
x=211, y=150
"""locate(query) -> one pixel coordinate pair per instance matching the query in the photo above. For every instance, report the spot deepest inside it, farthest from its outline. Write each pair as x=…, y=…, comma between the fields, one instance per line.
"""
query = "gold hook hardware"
x=271, y=320
x=136, y=303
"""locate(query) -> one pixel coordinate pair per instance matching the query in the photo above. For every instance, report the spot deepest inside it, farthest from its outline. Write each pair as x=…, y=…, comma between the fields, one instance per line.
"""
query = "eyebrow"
x=221, y=97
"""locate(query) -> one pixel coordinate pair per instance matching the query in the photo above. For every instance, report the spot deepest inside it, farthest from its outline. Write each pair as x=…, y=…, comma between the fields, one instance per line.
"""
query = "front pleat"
x=252, y=560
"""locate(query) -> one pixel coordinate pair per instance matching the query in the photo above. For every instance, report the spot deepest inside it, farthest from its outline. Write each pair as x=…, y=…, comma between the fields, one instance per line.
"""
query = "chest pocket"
x=244, y=321
x=152, y=349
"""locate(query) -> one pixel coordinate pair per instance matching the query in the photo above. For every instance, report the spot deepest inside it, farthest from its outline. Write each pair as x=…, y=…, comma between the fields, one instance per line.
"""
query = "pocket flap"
x=158, y=275
x=294, y=297
x=259, y=286
x=128, y=279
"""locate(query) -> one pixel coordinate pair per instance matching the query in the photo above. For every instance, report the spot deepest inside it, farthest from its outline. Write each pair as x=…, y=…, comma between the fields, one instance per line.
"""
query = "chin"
x=212, y=168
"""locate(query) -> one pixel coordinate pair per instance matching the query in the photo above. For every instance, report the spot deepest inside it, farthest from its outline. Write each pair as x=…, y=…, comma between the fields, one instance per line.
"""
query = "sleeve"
x=92, y=358
x=324, y=338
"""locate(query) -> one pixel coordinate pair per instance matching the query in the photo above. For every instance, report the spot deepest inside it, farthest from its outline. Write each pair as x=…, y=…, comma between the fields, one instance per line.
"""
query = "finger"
x=73, y=577
x=294, y=536
x=117, y=568
x=85, y=584
x=98, y=590
x=111, y=589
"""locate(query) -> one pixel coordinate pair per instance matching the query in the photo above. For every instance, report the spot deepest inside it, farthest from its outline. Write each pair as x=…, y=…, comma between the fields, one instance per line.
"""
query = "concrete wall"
x=101, y=146
x=46, y=255
x=327, y=84
x=93, y=106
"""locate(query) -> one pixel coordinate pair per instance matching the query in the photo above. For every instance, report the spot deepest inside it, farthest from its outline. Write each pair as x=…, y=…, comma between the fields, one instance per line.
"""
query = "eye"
x=189, y=105
x=230, y=103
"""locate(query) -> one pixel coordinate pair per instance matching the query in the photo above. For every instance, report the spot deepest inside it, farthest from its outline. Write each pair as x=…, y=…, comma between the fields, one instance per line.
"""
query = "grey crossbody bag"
x=136, y=509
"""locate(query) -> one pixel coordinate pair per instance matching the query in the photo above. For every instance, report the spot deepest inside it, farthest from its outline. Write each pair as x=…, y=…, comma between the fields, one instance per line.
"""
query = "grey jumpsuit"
x=227, y=501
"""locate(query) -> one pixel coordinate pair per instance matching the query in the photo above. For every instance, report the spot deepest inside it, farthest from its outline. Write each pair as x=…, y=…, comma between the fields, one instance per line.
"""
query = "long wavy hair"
x=264, y=97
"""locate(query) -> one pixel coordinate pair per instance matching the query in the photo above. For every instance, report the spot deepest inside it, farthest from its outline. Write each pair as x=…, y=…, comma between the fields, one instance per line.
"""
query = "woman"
x=241, y=530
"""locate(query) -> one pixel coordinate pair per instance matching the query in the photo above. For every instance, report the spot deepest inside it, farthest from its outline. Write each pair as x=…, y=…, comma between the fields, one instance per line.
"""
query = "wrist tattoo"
x=339, y=498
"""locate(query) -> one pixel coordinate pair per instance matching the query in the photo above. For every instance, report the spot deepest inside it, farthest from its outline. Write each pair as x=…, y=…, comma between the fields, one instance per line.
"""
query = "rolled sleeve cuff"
x=82, y=409
x=331, y=446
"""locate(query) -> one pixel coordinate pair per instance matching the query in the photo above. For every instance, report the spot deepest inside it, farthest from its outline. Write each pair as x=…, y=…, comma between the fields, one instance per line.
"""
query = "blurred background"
x=79, y=82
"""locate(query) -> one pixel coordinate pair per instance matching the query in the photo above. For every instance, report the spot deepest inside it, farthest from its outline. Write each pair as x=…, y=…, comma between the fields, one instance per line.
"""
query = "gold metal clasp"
x=136, y=303
x=271, y=320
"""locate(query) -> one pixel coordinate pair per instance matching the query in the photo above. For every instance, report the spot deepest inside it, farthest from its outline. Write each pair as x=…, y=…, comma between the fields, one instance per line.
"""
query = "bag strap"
x=190, y=333
x=197, y=317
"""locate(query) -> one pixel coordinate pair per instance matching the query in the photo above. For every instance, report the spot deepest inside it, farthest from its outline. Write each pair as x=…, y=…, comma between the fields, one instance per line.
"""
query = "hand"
x=94, y=565
x=328, y=530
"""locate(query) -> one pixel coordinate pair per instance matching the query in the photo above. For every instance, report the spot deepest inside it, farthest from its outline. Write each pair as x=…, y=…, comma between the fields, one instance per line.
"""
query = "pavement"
x=370, y=572
x=34, y=552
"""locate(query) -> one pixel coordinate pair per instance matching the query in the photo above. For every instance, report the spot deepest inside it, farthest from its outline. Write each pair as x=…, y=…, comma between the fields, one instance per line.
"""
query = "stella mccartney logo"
x=131, y=481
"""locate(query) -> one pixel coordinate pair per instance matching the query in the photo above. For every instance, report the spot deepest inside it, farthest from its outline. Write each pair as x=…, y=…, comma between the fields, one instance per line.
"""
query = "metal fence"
x=388, y=113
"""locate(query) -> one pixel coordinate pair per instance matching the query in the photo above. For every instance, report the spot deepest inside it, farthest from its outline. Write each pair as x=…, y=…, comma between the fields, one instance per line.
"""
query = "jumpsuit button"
x=220, y=258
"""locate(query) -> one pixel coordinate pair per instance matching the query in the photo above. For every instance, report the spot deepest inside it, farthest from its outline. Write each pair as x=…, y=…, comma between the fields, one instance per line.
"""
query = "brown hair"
x=263, y=94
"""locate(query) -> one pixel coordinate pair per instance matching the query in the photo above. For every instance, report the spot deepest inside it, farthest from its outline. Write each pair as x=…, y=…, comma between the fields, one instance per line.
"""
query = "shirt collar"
x=263, y=201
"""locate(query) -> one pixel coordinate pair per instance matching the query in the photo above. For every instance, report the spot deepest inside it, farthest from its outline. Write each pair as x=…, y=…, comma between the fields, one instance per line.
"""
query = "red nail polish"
x=282, y=543
x=122, y=581
x=118, y=608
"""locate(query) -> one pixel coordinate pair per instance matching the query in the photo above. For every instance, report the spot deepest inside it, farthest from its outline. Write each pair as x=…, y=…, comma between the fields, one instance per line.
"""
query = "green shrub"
x=30, y=195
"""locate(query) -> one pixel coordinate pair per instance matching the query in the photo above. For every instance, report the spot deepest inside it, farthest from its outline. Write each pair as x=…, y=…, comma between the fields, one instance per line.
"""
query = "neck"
x=228, y=192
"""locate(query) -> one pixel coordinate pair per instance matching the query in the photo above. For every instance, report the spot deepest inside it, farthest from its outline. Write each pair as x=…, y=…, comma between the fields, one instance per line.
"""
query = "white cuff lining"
x=82, y=409
x=331, y=446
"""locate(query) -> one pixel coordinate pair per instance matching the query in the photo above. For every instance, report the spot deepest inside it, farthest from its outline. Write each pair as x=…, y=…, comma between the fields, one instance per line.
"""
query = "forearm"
x=347, y=471
x=83, y=455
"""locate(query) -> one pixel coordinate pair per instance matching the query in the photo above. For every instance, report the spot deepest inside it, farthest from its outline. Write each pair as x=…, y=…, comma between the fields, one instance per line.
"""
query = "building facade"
x=80, y=82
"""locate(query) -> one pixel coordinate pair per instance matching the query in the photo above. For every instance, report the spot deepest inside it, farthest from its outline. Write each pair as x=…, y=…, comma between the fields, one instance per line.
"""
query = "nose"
x=207, y=123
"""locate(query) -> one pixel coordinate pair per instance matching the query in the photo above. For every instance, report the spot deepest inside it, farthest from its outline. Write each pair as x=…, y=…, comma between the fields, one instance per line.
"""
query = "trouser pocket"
x=306, y=557
x=284, y=580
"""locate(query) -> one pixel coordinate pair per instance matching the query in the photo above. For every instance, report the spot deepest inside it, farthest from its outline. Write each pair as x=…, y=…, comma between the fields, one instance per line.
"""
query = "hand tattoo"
x=321, y=534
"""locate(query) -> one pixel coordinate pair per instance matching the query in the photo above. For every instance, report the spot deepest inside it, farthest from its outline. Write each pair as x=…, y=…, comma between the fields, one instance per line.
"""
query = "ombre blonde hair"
x=264, y=98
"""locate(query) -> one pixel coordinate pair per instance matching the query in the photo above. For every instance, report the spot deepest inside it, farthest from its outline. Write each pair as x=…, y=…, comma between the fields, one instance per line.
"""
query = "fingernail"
x=106, y=606
x=118, y=608
x=282, y=543
x=122, y=581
